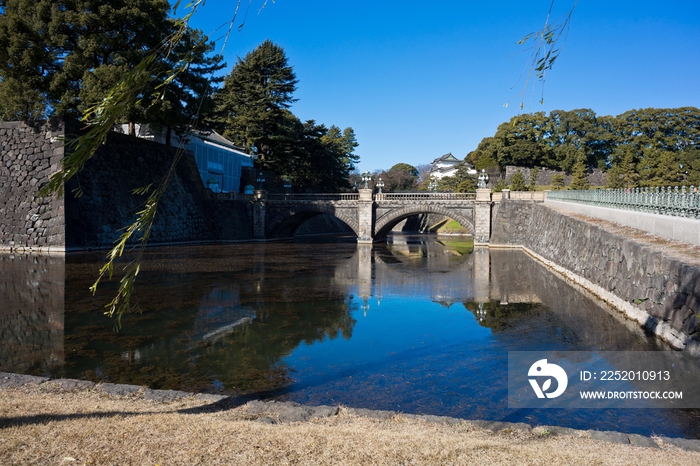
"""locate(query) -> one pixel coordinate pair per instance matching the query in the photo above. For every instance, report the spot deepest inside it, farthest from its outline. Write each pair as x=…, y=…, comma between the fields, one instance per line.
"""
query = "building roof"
x=207, y=135
x=212, y=136
x=446, y=158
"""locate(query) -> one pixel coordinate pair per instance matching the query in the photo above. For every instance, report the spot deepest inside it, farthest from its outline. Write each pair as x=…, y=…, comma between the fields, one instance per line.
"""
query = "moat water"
x=422, y=325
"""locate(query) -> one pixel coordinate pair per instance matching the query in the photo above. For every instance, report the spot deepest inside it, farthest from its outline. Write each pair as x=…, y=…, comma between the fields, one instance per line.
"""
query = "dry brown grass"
x=90, y=428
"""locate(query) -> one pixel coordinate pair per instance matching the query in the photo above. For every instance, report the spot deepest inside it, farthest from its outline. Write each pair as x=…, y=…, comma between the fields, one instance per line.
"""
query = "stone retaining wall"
x=107, y=205
x=187, y=212
x=685, y=230
x=28, y=156
x=660, y=292
x=596, y=177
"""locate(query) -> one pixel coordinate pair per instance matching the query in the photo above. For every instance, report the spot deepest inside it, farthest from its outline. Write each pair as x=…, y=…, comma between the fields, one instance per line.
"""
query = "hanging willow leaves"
x=545, y=47
x=99, y=120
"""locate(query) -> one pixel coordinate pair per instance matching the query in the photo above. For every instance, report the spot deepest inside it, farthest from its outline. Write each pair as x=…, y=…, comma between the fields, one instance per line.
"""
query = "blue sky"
x=418, y=79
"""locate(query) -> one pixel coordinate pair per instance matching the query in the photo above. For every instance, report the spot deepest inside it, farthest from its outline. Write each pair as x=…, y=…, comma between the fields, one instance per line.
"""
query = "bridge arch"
x=285, y=222
x=386, y=222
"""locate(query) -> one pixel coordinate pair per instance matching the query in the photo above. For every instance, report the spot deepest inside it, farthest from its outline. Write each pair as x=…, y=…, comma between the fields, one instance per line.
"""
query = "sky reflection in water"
x=417, y=326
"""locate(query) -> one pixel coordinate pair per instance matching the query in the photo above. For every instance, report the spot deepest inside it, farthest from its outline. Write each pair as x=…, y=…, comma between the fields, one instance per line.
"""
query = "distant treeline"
x=645, y=147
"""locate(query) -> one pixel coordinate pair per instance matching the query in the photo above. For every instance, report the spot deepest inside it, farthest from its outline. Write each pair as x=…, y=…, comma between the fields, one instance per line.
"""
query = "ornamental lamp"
x=366, y=178
x=483, y=179
x=433, y=185
x=380, y=184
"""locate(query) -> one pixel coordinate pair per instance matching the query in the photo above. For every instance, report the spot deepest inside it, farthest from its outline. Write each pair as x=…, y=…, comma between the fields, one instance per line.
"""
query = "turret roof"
x=446, y=158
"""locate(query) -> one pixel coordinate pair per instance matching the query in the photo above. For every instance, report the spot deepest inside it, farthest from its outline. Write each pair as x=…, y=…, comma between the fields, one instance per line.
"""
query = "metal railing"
x=425, y=197
x=314, y=197
x=675, y=201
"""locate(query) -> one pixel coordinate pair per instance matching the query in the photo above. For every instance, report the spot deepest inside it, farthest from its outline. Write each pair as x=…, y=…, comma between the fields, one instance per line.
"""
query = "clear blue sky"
x=418, y=79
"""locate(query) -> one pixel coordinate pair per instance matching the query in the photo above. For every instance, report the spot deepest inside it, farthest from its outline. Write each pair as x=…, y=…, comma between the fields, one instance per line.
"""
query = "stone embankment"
x=596, y=177
x=642, y=276
x=28, y=156
x=272, y=412
x=107, y=203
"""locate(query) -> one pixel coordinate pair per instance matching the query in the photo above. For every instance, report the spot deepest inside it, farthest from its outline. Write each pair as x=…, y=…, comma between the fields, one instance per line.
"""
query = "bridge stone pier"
x=370, y=216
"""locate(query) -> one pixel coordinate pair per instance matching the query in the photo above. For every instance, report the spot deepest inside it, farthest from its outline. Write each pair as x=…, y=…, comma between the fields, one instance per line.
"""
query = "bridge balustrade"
x=314, y=197
x=425, y=197
x=673, y=201
x=368, y=214
x=230, y=196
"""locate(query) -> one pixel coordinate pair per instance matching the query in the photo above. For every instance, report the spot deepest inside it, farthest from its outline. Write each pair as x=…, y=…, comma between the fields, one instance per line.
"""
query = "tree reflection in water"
x=324, y=324
x=161, y=351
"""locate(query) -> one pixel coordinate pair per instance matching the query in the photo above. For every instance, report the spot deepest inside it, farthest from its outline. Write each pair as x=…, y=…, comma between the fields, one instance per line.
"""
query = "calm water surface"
x=423, y=325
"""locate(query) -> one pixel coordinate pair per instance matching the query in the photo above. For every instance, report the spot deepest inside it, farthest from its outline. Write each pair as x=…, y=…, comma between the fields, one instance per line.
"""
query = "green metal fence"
x=675, y=201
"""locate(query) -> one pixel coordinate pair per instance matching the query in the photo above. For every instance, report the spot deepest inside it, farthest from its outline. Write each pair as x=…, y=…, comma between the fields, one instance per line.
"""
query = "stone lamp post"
x=380, y=184
x=366, y=178
x=432, y=186
x=483, y=179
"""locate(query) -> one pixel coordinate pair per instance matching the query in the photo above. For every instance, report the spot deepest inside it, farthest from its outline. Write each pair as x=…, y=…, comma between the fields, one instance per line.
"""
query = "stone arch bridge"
x=370, y=216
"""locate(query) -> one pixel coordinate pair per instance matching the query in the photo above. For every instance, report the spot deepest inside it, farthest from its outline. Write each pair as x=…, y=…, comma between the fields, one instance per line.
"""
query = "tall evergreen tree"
x=517, y=182
x=188, y=98
x=558, y=181
x=341, y=149
x=666, y=172
x=533, y=178
x=580, y=175
x=690, y=158
x=54, y=51
x=623, y=173
x=253, y=101
x=485, y=155
x=521, y=142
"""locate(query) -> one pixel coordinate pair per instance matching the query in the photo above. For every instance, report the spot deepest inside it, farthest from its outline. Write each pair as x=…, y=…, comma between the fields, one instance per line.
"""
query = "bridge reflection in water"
x=192, y=293
x=420, y=265
x=419, y=324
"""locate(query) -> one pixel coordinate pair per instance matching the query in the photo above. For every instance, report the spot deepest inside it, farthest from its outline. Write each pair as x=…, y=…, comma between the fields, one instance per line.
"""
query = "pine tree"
x=517, y=182
x=187, y=99
x=557, y=181
x=55, y=52
x=533, y=178
x=667, y=170
x=580, y=175
x=500, y=185
x=614, y=177
x=253, y=101
x=623, y=173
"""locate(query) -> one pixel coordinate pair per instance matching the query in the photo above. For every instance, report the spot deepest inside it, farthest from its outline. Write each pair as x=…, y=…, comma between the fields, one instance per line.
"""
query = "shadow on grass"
x=224, y=404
